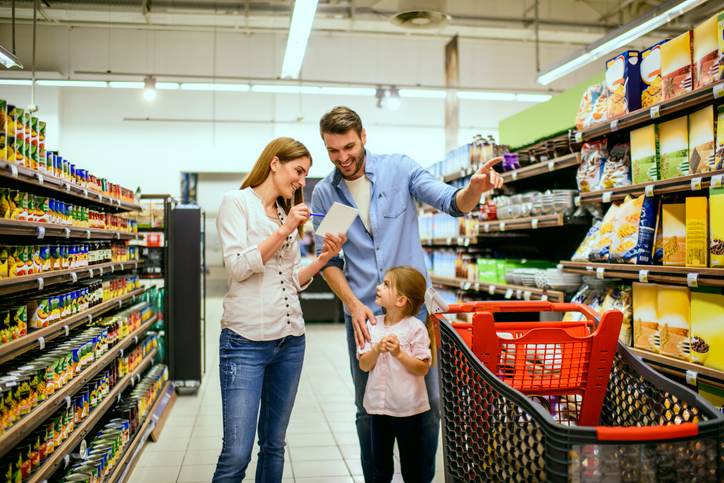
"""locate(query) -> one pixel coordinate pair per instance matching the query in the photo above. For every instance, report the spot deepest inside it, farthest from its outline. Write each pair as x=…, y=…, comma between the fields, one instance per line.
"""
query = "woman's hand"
x=332, y=246
x=298, y=215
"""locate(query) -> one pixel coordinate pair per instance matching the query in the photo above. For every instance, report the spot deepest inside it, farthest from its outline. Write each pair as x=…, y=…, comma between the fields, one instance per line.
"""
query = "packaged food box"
x=659, y=242
x=3, y=129
x=487, y=270
x=673, y=219
x=676, y=66
x=633, y=238
x=716, y=227
x=674, y=142
x=623, y=83
x=720, y=36
x=707, y=336
x=644, y=155
x=701, y=141
x=16, y=134
x=645, y=317
x=674, y=310
x=719, y=154
x=651, y=75
x=697, y=235
x=706, y=52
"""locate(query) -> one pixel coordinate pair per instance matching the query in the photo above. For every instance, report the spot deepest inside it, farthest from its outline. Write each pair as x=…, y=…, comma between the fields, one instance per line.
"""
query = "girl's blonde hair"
x=285, y=149
x=411, y=284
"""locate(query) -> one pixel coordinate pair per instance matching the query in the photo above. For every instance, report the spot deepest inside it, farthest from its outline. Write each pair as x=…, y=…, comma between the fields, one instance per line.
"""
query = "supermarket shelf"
x=461, y=173
x=543, y=167
x=148, y=229
x=693, y=182
x=130, y=456
x=460, y=241
x=49, y=230
x=41, y=280
x=32, y=340
x=698, y=98
x=508, y=291
x=51, y=465
x=702, y=277
x=30, y=177
x=532, y=223
x=26, y=425
x=682, y=368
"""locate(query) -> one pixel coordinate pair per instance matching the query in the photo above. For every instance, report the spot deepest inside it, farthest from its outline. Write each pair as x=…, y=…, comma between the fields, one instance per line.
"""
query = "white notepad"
x=338, y=219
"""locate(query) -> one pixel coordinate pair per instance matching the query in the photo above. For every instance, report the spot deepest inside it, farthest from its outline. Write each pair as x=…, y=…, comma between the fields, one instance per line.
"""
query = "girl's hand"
x=332, y=246
x=393, y=345
x=381, y=346
x=298, y=215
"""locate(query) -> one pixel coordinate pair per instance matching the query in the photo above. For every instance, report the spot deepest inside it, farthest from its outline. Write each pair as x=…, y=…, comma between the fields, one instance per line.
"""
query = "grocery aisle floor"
x=322, y=442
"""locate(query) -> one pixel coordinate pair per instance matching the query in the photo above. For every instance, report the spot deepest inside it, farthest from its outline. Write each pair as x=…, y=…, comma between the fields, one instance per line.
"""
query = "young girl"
x=397, y=359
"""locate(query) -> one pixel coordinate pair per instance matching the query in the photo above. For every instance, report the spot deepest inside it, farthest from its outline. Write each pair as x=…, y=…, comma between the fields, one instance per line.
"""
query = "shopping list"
x=338, y=219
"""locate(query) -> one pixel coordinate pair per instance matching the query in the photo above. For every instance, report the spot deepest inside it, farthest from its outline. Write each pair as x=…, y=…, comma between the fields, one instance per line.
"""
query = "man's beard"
x=358, y=163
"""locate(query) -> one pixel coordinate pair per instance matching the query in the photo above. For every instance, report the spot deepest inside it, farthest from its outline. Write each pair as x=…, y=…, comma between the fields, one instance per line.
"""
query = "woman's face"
x=290, y=176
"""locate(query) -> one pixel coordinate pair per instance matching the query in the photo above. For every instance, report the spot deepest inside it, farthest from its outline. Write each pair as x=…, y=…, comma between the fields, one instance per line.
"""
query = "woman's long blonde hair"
x=285, y=149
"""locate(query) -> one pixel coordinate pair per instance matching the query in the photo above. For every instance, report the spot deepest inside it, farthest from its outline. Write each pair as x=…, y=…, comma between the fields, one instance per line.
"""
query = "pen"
x=317, y=214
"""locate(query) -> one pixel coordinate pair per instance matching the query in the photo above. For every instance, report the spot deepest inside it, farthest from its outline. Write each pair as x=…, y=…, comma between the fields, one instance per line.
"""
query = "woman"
x=262, y=338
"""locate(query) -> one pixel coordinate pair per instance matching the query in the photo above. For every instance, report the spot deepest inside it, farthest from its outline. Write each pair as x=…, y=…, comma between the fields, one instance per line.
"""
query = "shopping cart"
x=502, y=423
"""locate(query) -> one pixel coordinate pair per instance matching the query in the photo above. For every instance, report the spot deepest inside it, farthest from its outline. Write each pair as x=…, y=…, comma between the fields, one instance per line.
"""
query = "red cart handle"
x=647, y=433
x=522, y=306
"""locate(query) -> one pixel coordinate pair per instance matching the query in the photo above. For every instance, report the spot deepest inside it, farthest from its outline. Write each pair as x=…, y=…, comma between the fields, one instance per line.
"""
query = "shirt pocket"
x=395, y=202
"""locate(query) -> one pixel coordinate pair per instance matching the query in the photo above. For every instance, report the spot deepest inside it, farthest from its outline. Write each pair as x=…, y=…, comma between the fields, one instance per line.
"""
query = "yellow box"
x=3, y=129
x=701, y=141
x=644, y=155
x=720, y=36
x=707, y=336
x=676, y=68
x=673, y=217
x=673, y=305
x=674, y=147
x=706, y=52
x=645, y=317
x=697, y=234
x=719, y=155
x=716, y=227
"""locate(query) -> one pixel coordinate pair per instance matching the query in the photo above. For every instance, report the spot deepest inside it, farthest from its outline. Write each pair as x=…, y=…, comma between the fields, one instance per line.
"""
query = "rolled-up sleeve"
x=320, y=204
x=241, y=259
x=420, y=344
x=428, y=189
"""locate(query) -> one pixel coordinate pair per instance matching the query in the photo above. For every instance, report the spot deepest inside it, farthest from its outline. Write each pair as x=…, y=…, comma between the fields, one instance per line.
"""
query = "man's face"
x=347, y=152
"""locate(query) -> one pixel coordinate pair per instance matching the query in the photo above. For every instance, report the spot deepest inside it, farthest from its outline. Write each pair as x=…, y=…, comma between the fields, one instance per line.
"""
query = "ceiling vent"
x=421, y=14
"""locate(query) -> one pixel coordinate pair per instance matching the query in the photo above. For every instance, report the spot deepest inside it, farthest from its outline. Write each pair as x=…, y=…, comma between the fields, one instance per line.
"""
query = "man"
x=384, y=189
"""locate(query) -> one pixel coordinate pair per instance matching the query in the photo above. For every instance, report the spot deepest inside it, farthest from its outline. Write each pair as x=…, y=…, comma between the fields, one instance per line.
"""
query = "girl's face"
x=290, y=176
x=387, y=296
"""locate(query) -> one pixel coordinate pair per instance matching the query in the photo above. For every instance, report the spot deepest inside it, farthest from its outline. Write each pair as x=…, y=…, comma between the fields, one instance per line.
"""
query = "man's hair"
x=340, y=120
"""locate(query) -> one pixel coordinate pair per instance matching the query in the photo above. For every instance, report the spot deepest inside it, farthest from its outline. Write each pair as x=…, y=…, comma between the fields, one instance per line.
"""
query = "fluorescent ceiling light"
x=167, y=86
x=299, y=30
x=347, y=91
x=533, y=97
x=620, y=37
x=423, y=93
x=486, y=96
x=71, y=83
x=8, y=59
x=125, y=85
x=15, y=82
x=202, y=86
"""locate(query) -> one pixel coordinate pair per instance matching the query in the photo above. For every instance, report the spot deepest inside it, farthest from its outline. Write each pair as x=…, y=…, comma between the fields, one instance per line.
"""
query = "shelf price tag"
x=501, y=226
x=74, y=276
x=135, y=339
x=691, y=377
x=695, y=184
x=40, y=178
x=460, y=241
x=577, y=201
x=100, y=270
x=534, y=223
x=120, y=304
x=87, y=234
x=66, y=187
x=120, y=353
x=118, y=398
x=466, y=241
x=113, y=268
x=544, y=297
x=90, y=318
x=527, y=295
x=508, y=293
x=85, y=193
x=614, y=125
x=600, y=273
x=66, y=329
x=718, y=90
x=448, y=241
x=606, y=198
x=579, y=137
x=514, y=174
x=83, y=449
x=41, y=232
x=644, y=276
x=91, y=274
x=41, y=343
x=467, y=285
x=649, y=190
x=486, y=227
x=67, y=402
x=67, y=232
x=518, y=294
x=716, y=181
x=551, y=165
x=559, y=266
x=66, y=461
x=491, y=289
x=692, y=280
x=655, y=112
x=477, y=286
x=41, y=283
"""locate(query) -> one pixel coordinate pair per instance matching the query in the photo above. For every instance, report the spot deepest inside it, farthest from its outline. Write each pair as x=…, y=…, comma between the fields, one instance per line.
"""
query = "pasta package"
x=701, y=141
x=651, y=75
x=644, y=154
x=676, y=66
x=674, y=140
x=633, y=235
x=593, y=157
x=706, y=52
x=584, y=250
x=617, y=168
x=623, y=83
x=601, y=246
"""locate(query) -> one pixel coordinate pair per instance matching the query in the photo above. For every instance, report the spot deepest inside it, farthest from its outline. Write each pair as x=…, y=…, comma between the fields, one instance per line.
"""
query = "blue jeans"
x=430, y=424
x=258, y=378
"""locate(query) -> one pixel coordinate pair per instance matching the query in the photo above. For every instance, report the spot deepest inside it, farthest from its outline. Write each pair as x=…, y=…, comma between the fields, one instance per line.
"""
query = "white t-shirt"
x=361, y=190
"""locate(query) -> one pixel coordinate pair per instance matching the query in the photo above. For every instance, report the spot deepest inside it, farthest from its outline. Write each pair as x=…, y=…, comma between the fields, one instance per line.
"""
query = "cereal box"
x=716, y=227
x=720, y=37
x=651, y=75
x=701, y=141
x=674, y=140
x=707, y=338
x=706, y=52
x=676, y=68
x=623, y=83
x=697, y=235
x=674, y=309
x=645, y=317
x=3, y=129
x=644, y=154
x=42, y=156
x=719, y=154
x=673, y=226
x=16, y=132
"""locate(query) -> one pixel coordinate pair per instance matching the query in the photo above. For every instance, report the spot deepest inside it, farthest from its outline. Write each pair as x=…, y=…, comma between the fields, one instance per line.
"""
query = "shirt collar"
x=370, y=166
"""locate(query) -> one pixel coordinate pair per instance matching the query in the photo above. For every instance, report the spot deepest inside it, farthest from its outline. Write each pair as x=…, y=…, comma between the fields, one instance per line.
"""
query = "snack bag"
x=593, y=156
x=599, y=113
x=585, y=108
x=633, y=238
x=619, y=298
x=601, y=246
x=584, y=250
x=617, y=168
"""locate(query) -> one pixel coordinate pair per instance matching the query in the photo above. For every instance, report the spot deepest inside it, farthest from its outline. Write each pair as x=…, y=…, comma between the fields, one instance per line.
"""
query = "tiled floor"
x=322, y=442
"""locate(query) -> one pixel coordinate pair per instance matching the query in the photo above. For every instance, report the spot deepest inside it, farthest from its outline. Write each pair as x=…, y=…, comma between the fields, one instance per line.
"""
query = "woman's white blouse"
x=262, y=301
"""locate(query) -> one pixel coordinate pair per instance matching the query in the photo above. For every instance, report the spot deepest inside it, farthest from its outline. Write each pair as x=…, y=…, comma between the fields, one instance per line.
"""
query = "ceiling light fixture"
x=149, y=89
x=620, y=37
x=126, y=85
x=299, y=30
x=8, y=59
x=203, y=86
x=71, y=83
